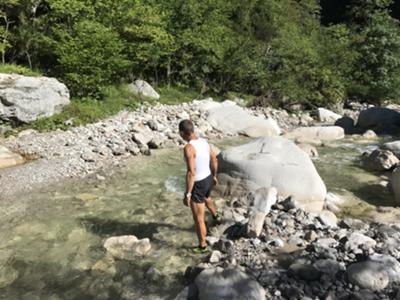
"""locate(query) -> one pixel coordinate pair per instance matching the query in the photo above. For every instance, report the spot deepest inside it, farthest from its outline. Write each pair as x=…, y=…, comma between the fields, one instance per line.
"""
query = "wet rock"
x=218, y=283
x=9, y=159
x=380, y=160
x=393, y=147
x=215, y=257
x=379, y=119
x=188, y=293
x=368, y=275
x=127, y=247
x=7, y=275
x=369, y=134
x=105, y=266
x=347, y=124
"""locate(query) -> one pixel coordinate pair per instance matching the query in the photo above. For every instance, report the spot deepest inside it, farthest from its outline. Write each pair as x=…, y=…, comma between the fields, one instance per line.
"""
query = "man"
x=201, y=174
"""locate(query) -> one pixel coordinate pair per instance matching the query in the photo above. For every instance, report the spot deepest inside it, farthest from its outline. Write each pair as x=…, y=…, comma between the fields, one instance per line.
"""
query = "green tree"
x=90, y=57
x=377, y=71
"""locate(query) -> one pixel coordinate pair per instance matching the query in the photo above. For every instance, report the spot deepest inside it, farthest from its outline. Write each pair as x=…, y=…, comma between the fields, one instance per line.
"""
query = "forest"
x=284, y=52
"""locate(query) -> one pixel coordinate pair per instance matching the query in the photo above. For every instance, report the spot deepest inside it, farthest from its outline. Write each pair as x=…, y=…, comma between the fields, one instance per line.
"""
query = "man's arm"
x=213, y=164
x=190, y=156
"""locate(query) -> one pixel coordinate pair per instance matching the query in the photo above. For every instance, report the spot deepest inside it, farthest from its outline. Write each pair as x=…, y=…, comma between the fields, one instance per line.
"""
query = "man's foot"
x=217, y=219
x=199, y=250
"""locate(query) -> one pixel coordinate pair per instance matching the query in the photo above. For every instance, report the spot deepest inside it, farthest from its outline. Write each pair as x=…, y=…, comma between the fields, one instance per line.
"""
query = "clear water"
x=50, y=240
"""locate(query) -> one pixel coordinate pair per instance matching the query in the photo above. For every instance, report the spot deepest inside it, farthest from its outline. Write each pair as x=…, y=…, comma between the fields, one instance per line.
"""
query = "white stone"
x=327, y=116
x=316, y=133
x=27, y=99
x=127, y=247
x=143, y=88
x=358, y=240
x=389, y=264
x=328, y=218
x=393, y=147
x=215, y=257
x=272, y=161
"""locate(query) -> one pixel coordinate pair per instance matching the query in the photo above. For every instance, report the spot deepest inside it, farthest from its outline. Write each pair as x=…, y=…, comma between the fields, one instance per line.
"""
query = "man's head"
x=186, y=129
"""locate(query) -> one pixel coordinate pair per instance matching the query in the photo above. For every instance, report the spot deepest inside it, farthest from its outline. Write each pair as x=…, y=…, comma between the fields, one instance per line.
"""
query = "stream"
x=50, y=239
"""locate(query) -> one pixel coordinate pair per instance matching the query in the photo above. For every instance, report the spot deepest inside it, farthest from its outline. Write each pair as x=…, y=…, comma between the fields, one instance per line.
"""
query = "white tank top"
x=202, y=158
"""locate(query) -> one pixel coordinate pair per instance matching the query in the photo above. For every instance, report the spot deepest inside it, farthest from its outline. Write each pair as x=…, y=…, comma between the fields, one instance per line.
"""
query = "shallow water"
x=50, y=240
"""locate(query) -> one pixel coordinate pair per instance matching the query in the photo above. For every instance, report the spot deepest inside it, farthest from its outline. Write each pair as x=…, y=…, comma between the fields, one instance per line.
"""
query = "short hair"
x=186, y=126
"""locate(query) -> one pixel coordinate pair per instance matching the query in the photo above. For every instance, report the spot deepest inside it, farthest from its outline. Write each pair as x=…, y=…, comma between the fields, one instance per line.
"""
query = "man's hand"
x=186, y=200
x=215, y=180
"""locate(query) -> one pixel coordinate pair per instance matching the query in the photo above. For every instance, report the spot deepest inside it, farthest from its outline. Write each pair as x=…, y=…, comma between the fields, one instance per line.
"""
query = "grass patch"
x=176, y=94
x=15, y=69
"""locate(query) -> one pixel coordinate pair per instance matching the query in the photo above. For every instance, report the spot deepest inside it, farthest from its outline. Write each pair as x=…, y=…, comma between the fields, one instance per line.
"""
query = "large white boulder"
x=327, y=116
x=143, y=88
x=316, y=133
x=272, y=162
x=229, y=118
x=9, y=159
x=218, y=283
x=27, y=99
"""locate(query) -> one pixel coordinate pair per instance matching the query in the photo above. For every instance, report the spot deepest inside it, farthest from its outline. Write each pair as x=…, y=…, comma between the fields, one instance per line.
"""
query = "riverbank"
x=82, y=151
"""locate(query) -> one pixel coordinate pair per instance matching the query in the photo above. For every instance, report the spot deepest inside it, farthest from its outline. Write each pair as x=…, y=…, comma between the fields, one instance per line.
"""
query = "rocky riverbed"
x=81, y=151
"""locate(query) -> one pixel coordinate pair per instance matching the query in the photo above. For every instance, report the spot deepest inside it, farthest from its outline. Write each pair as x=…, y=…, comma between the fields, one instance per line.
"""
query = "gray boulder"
x=380, y=160
x=395, y=183
x=368, y=275
x=227, y=284
x=272, y=161
x=143, y=88
x=379, y=119
x=26, y=99
x=389, y=264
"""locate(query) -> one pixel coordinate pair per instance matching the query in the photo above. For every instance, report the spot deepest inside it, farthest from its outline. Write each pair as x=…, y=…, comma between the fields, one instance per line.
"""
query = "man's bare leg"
x=211, y=207
x=198, y=210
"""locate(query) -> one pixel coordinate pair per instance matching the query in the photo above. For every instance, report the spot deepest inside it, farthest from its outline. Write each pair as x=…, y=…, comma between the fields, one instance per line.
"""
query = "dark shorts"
x=202, y=189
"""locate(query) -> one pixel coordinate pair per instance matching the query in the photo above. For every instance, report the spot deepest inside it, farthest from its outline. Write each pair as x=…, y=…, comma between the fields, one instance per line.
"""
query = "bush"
x=15, y=69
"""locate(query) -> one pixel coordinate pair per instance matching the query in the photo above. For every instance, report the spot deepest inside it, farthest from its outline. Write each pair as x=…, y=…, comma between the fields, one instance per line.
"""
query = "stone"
x=311, y=236
x=188, y=293
x=381, y=120
x=215, y=257
x=220, y=116
x=143, y=88
x=327, y=266
x=7, y=275
x=155, y=143
x=9, y=159
x=263, y=199
x=347, y=124
x=358, y=240
x=321, y=133
x=394, y=147
x=395, y=183
x=127, y=247
x=389, y=264
x=230, y=283
x=327, y=116
x=304, y=271
x=328, y=218
x=27, y=99
x=267, y=162
x=152, y=125
x=105, y=266
x=142, y=138
x=368, y=275
x=88, y=156
x=369, y=134
x=380, y=160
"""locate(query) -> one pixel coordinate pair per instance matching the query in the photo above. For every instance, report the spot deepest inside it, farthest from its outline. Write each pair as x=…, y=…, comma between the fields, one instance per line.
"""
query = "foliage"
x=274, y=49
x=15, y=69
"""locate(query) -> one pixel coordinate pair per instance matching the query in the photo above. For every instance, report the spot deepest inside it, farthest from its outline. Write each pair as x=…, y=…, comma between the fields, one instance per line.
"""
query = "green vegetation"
x=277, y=50
x=14, y=69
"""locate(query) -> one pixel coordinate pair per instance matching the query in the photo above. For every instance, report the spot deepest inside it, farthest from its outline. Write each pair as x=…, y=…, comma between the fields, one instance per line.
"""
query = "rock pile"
x=300, y=255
